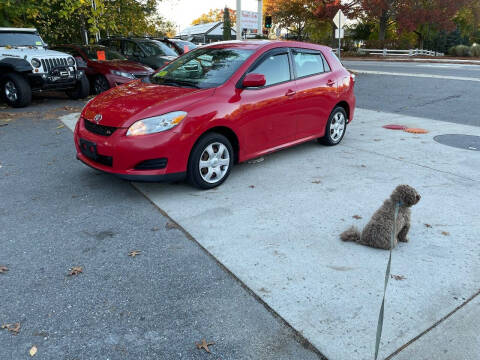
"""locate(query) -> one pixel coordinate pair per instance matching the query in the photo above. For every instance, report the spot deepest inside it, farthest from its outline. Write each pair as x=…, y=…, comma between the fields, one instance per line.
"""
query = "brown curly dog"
x=379, y=229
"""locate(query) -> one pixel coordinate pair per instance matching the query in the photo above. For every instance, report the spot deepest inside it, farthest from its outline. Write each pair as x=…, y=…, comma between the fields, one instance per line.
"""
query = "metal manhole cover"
x=468, y=142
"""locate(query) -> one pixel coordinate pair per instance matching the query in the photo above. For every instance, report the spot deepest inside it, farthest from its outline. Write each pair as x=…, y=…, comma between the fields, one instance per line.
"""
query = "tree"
x=227, y=25
x=214, y=15
x=381, y=12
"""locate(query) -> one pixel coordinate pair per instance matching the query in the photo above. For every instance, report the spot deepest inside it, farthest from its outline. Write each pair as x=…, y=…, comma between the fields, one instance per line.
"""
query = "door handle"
x=290, y=92
x=330, y=83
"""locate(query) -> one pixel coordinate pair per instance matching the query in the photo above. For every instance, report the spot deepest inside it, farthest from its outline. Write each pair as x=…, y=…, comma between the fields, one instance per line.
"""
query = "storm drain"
x=468, y=142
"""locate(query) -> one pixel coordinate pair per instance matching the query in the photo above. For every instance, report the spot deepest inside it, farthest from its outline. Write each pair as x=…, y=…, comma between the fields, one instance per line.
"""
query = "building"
x=204, y=33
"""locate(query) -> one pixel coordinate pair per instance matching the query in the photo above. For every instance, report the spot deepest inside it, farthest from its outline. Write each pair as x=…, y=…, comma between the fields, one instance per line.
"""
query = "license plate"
x=89, y=149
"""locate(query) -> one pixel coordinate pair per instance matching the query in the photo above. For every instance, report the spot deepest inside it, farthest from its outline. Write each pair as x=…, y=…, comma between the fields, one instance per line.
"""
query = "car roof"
x=257, y=44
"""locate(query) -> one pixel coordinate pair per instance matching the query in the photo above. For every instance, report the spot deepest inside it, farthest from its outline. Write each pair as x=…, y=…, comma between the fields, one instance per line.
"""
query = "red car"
x=215, y=106
x=104, y=68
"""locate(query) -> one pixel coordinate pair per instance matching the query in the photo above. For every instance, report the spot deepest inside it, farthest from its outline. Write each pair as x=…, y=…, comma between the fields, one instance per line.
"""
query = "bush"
x=459, y=50
x=475, y=50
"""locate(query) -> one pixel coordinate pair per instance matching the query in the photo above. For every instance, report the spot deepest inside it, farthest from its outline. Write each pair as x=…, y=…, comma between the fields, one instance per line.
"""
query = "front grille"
x=49, y=63
x=152, y=164
x=99, y=129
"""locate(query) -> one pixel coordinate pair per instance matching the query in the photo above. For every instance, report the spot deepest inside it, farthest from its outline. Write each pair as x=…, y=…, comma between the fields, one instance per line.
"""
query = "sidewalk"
x=275, y=225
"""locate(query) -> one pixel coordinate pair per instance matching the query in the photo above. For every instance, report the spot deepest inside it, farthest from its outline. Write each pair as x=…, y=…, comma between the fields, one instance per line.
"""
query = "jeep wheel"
x=16, y=90
x=82, y=89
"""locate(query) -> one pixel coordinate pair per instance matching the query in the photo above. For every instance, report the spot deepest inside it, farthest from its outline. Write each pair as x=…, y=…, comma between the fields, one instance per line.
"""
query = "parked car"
x=215, y=106
x=104, y=68
x=26, y=66
x=152, y=53
x=179, y=46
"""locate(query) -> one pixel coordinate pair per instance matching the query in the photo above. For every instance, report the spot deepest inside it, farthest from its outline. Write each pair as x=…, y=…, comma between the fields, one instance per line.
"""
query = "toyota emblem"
x=97, y=118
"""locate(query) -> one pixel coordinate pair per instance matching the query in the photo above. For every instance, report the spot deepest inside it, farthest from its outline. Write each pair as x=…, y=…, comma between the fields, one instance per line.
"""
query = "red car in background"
x=215, y=106
x=104, y=68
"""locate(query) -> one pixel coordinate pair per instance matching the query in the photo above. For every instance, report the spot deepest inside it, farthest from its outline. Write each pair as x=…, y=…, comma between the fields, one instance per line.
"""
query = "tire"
x=336, y=127
x=216, y=167
x=100, y=84
x=16, y=90
x=81, y=91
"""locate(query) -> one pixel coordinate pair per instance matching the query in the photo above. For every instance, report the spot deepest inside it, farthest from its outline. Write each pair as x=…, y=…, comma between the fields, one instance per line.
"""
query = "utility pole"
x=238, y=21
x=260, y=17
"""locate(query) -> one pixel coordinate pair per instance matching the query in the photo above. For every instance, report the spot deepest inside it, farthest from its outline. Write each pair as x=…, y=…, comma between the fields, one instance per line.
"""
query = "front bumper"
x=59, y=78
x=123, y=156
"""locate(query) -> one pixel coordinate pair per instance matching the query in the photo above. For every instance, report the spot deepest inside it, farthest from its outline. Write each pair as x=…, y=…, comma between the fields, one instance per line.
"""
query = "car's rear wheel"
x=210, y=161
x=336, y=127
x=100, y=84
x=16, y=90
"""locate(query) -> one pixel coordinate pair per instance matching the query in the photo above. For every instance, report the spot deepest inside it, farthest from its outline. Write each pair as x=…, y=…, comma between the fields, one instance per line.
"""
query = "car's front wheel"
x=16, y=90
x=336, y=127
x=100, y=84
x=210, y=161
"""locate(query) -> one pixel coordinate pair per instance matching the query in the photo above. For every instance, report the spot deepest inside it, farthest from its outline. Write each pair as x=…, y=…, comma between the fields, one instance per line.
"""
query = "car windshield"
x=185, y=45
x=102, y=53
x=202, y=67
x=154, y=48
x=20, y=39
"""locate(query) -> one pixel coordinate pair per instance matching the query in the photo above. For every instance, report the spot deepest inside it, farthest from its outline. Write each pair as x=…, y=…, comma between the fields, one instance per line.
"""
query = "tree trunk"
x=383, y=26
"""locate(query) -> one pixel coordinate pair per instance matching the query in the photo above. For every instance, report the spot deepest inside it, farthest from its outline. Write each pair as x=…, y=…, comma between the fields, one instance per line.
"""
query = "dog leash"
x=387, y=276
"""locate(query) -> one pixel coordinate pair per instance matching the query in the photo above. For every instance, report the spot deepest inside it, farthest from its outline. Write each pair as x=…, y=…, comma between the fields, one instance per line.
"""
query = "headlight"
x=156, y=124
x=71, y=61
x=123, y=74
x=35, y=63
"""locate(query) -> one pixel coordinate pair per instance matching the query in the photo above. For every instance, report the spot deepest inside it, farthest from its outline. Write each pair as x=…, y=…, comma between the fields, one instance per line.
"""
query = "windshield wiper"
x=180, y=83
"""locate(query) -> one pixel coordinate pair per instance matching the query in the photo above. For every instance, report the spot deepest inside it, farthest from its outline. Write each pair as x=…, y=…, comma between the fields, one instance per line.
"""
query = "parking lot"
x=256, y=265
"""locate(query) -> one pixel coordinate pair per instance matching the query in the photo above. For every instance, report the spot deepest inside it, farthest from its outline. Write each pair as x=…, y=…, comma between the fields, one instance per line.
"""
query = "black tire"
x=337, y=121
x=16, y=90
x=100, y=84
x=81, y=91
x=195, y=175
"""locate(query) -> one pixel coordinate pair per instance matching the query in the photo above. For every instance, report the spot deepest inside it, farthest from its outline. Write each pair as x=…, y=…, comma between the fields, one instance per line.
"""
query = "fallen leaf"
x=204, y=345
x=427, y=225
x=155, y=228
x=170, y=225
x=252, y=186
x=33, y=350
x=358, y=217
x=398, y=277
x=377, y=139
x=3, y=124
x=316, y=182
x=364, y=166
x=13, y=328
x=75, y=270
x=3, y=269
x=134, y=253
x=445, y=233
x=60, y=126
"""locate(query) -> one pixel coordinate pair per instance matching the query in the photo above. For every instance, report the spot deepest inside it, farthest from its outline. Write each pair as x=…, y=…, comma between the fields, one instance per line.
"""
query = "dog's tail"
x=351, y=234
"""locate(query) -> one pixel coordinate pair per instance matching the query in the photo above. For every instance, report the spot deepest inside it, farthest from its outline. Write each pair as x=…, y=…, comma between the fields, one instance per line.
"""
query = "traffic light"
x=268, y=22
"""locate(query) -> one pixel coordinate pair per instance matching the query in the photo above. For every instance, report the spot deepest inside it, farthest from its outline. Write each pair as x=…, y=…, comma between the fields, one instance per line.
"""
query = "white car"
x=26, y=65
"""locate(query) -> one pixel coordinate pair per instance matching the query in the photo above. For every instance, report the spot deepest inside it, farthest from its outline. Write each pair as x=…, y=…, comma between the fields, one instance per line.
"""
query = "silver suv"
x=26, y=65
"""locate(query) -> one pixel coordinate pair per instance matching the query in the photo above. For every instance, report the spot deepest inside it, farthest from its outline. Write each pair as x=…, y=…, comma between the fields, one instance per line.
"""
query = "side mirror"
x=254, y=80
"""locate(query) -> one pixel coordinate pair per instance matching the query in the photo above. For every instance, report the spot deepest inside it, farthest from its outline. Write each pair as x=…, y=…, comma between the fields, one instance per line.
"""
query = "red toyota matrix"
x=215, y=106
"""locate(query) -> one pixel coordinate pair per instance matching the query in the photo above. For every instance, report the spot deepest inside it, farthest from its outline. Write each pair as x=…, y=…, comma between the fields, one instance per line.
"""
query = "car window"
x=115, y=45
x=275, y=68
x=307, y=63
x=154, y=48
x=102, y=53
x=202, y=67
x=325, y=64
x=132, y=49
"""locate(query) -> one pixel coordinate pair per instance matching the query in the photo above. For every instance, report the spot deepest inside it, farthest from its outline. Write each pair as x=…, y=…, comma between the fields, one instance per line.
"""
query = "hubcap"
x=214, y=162
x=11, y=91
x=337, y=127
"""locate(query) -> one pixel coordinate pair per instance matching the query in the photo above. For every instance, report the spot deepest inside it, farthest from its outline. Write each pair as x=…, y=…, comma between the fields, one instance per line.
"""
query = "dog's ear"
x=405, y=194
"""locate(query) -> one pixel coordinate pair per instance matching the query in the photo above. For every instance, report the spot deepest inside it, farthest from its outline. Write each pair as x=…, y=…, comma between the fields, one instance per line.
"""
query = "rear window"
x=307, y=63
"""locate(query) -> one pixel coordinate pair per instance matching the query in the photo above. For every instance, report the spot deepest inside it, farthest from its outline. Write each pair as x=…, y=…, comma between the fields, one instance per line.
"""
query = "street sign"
x=249, y=20
x=339, y=33
x=339, y=19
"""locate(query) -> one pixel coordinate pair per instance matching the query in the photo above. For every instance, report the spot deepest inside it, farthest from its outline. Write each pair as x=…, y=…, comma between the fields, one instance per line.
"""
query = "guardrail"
x=410, y=52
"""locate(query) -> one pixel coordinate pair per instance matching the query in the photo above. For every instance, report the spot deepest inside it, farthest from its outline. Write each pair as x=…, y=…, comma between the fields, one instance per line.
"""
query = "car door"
x=316, y=91
x=267, y=113
x=132, y=51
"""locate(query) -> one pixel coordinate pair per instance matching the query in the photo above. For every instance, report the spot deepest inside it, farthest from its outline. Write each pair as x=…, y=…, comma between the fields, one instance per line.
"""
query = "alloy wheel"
x=11, y=91
x=337, y=127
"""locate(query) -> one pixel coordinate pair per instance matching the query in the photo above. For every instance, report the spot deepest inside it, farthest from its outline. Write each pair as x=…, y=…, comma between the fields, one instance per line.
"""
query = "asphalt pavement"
x=56, y=214
x=433, y=98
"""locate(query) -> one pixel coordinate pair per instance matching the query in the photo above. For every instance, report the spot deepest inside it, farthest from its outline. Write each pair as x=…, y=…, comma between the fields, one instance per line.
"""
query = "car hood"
x=126, y=66
x=32, y=52
x=123, y=105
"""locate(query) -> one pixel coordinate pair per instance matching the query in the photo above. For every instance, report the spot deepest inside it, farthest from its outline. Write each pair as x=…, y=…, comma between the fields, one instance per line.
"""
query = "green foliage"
x=227, y=25
x=475, y=50
x=66, y=21
x=459, y=50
